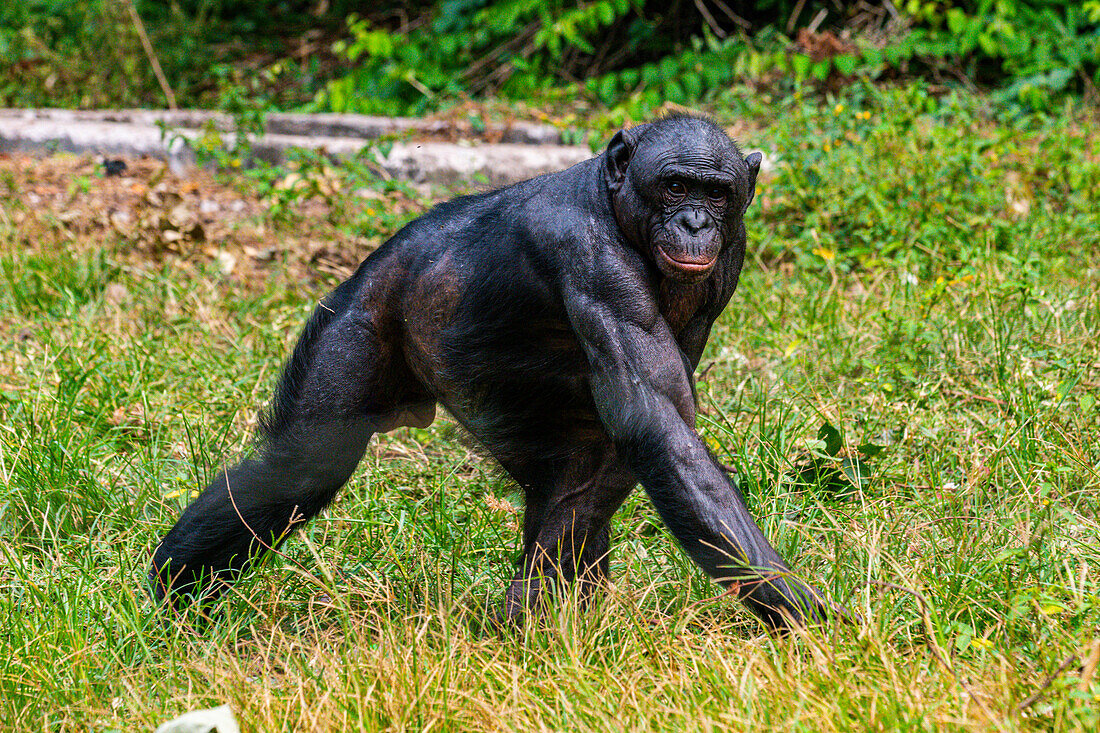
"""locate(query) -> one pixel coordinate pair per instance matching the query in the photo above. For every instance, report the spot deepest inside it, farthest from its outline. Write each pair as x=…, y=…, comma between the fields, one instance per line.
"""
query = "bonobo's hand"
x=784, y=603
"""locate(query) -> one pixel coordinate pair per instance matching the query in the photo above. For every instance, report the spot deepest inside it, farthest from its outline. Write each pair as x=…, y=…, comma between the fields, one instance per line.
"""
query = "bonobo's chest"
x=678, y=303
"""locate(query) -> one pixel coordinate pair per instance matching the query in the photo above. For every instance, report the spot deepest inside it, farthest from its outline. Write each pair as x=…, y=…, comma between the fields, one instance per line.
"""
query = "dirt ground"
x=145, y=214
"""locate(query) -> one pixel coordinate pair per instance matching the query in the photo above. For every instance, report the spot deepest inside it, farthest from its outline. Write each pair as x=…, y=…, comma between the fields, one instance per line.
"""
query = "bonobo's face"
x=680, y=188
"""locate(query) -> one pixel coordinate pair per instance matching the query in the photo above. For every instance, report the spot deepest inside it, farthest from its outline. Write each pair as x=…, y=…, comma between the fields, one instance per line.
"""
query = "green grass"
x=923, y=279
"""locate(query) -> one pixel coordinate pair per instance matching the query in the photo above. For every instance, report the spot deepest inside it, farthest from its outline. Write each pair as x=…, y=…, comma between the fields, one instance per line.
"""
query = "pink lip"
x=691, y=268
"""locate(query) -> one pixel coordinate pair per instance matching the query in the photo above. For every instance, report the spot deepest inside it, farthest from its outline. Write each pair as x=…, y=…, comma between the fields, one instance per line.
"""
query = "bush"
x=631, y=56
x=637, y=55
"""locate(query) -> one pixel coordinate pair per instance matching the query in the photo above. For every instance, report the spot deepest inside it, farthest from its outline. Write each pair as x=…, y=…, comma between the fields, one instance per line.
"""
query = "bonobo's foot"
x=524, y=596
x=503, y=619
x=175, y=585
x=531, y=597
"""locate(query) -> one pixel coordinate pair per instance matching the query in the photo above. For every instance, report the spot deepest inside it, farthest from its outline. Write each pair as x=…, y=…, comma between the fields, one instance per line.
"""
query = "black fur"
x=276, y=419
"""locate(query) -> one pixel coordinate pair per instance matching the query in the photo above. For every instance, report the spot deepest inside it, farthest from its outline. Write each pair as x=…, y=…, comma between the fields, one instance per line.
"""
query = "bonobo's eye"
x=717, y=194
x=676, y=188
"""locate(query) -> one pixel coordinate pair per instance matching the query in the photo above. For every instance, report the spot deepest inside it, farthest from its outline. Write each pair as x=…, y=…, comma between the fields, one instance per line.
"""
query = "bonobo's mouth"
x=691, y=268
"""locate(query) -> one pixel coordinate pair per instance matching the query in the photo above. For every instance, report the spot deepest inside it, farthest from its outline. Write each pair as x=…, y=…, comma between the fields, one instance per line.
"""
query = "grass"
x=905, y=382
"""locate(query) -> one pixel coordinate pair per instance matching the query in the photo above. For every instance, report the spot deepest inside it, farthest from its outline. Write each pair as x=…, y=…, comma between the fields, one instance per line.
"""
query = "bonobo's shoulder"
x=574, y=204
x=605, y=274
x=555, y=222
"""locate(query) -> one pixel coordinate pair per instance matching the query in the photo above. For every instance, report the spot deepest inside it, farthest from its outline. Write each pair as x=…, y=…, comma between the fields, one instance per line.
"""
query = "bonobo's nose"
x=693, y=221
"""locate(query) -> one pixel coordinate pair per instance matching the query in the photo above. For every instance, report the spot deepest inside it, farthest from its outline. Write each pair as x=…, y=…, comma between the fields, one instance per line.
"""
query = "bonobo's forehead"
x=687, y=144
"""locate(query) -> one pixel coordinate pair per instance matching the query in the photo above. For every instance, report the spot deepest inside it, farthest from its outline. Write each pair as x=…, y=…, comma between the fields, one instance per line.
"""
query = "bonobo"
x=560, y=321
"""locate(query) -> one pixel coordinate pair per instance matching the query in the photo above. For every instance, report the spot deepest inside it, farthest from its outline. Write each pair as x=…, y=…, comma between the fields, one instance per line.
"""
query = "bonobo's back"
x=543, y=210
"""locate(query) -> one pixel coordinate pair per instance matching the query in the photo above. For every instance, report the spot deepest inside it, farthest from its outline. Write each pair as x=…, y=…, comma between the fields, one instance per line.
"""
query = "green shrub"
x=468, y=47
x=626, y=56
x=1031, y=51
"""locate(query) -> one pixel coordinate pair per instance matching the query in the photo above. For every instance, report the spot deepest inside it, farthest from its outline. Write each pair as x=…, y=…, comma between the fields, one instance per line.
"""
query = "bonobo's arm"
x=643, y=395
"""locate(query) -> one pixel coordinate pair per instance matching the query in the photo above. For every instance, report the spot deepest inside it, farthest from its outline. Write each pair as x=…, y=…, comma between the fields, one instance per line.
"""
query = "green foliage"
x=468, y=47
x=87, y=53
x=629, y=56
x=40, y=38
x=1032, y=50
x=686, y=78
x=309, y=175
x=1037, y=48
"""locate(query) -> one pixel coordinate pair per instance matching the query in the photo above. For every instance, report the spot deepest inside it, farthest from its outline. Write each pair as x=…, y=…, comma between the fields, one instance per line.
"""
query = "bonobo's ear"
x=619, y=152
x=753, y=162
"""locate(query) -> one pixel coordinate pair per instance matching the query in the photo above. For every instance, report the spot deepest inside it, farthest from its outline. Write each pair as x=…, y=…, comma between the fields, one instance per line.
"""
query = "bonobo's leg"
x=253, y=506
x=329, y=402
x=566, y=530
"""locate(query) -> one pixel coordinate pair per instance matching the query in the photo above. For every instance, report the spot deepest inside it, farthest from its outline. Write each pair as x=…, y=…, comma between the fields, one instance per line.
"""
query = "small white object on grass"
x=213, y=720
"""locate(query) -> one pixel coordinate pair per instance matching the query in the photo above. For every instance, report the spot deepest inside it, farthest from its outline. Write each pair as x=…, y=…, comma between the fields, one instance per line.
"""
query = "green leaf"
x=988, y=44
x=608, y=90
x=693, y=87
x=833, y=440
x=956, y=20
x=895, y=54
x=845, y=64
x=871, y=449
x=800, y=64
x=669, y=68
x=1010, y=552
x=871, y=56
x=605, y=13
x=856, y=471
x=675, y=93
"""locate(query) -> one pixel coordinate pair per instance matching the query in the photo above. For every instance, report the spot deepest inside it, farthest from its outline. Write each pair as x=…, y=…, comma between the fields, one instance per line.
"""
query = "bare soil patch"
x=148, y=214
